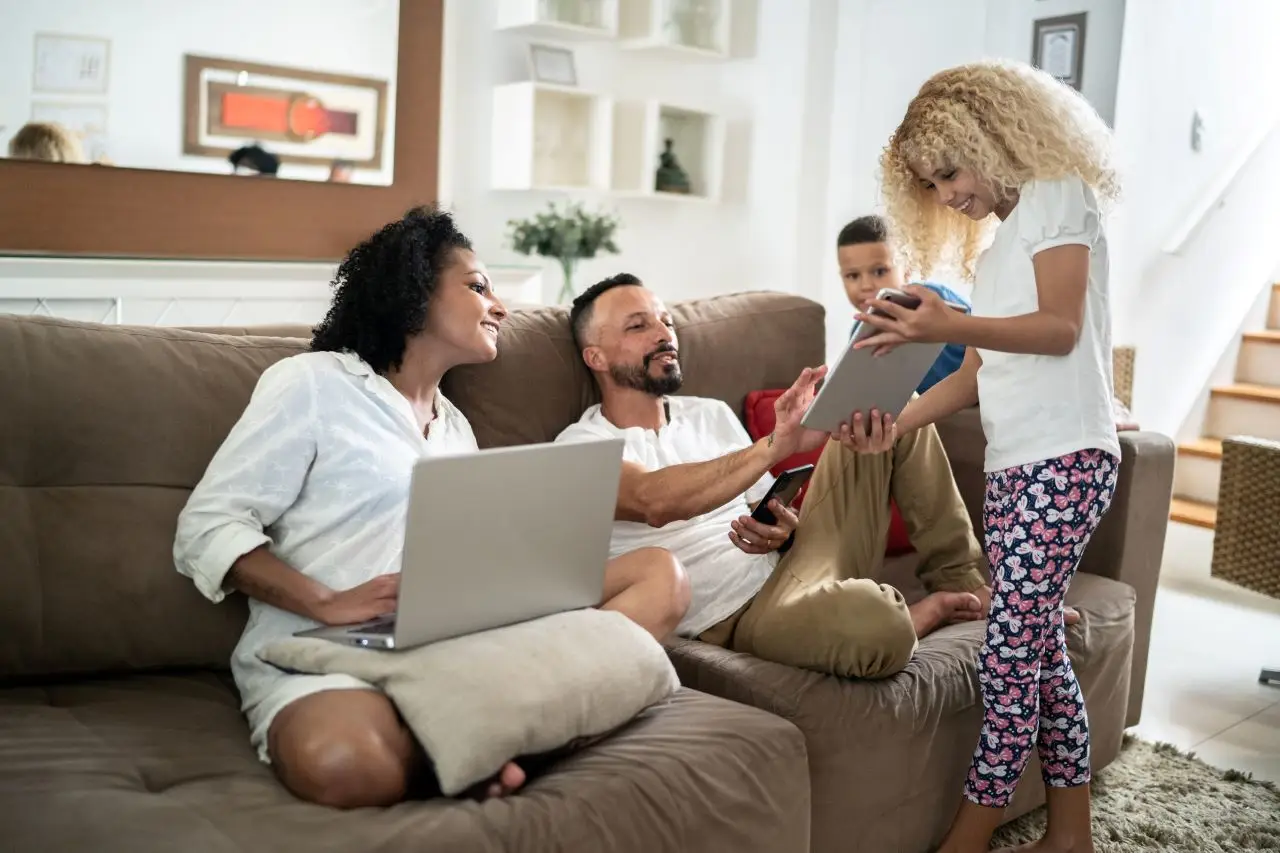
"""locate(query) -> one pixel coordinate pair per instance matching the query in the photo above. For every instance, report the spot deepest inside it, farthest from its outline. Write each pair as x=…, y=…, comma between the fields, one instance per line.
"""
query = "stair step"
x=1259, y=360
x=1206, y=448
x=1246, y=391
x=1266, y=336
x=1193, y=512
x=1196, y=476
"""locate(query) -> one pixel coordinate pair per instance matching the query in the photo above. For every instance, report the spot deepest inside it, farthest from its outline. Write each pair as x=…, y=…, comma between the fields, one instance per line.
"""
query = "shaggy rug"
x=1153, y=797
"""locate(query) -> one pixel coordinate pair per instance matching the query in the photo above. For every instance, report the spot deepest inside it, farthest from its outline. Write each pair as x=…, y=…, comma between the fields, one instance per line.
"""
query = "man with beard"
x=691, y=476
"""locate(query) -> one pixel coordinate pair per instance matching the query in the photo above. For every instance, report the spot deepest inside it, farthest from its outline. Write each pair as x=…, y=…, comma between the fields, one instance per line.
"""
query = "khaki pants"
x=819, y=610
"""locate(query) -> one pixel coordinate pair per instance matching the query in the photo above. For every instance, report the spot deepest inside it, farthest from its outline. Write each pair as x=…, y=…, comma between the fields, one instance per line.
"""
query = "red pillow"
x=760, y=422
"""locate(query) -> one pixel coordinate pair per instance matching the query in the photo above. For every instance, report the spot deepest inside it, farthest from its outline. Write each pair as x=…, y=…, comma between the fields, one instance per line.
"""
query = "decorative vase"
x=567, y=268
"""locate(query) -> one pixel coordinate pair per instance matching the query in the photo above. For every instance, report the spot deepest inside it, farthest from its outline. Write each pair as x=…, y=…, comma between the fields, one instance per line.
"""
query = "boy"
x=867, y=265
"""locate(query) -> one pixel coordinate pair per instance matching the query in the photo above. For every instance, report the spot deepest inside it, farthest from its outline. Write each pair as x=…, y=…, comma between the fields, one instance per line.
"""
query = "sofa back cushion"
x=104, y=431
x=729, y=346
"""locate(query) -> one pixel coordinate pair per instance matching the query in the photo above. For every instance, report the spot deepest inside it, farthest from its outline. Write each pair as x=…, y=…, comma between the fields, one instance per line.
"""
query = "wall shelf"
x=550, y=138
x=640, y=130
x=567, y=20
x=677, y=29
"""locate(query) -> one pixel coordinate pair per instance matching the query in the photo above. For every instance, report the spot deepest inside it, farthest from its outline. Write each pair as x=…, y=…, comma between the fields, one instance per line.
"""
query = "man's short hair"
x=864, y=229
x=580, y=313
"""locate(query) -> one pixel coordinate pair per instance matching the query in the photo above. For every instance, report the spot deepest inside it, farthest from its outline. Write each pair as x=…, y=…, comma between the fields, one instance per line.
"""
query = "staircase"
x=1250, y=406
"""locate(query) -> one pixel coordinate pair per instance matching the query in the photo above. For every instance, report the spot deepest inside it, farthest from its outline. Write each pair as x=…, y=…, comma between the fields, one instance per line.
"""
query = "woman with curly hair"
x=302, y=509
x=1002, y=152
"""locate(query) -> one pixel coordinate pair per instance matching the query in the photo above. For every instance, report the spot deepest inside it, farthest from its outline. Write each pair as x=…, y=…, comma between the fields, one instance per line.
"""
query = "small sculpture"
x=671, y=178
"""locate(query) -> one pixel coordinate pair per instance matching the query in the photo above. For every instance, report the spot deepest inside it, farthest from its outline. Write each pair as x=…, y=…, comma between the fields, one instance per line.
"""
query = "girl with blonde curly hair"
x=1002, y=152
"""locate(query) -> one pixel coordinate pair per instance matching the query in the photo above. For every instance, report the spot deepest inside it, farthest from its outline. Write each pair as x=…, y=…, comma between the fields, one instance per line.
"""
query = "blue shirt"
x=952, y=355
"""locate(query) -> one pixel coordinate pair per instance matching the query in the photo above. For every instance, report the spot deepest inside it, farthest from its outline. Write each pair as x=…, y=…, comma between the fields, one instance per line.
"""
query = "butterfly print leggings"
x=1038, y=519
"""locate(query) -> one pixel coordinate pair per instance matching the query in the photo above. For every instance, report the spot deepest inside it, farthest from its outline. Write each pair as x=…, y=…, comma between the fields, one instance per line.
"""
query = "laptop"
x=498, y=537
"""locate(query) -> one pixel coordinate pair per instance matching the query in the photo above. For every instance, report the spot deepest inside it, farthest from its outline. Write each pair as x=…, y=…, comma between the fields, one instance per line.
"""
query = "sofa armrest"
x=1128, y=545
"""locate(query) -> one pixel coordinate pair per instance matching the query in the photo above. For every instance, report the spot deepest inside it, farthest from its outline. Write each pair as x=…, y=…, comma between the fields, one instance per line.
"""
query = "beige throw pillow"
x=478, y=701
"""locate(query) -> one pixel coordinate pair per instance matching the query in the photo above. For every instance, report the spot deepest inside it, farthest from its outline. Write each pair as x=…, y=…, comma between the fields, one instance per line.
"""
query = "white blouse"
x=319, y=466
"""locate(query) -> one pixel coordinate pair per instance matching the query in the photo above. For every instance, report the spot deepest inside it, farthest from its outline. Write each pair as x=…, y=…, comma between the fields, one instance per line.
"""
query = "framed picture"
x=1057, y=47
x=70, y=64
x=552, y=65
x=298, y=115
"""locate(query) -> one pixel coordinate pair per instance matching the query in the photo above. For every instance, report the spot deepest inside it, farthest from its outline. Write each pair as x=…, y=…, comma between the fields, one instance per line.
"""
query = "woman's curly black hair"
x=383, y=286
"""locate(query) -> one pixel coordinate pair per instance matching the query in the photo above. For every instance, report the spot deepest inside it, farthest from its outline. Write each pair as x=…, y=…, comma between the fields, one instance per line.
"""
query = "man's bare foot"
x=943, y=608
x=508, y=781
x=1048, y=845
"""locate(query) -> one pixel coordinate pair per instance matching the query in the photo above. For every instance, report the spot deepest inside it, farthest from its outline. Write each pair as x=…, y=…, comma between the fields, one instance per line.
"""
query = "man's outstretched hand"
x=789, y=437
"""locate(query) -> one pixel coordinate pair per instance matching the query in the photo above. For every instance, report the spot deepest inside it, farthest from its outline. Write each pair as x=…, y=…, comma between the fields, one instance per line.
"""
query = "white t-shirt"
x=318, y=465
x=722, y=577
x=1037, y=407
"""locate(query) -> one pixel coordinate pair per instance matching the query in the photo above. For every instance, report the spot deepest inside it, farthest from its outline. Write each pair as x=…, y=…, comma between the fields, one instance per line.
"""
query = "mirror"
x=291, y=89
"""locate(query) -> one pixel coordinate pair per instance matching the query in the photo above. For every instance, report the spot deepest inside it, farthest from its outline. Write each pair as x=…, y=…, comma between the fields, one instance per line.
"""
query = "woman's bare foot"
x=943, y=608
x=1070, y=615
x=509, y=780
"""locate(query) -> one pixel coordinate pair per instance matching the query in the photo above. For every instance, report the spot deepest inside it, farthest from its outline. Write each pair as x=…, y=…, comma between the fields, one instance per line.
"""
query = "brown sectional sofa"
x=119, y=727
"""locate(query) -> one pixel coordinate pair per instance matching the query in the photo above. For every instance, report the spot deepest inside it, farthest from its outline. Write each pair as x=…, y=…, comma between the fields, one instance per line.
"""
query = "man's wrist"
x=775, y=449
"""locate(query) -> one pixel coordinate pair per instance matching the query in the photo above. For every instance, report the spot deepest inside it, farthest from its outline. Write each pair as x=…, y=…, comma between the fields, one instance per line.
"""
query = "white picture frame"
x=70, y=64
x=555, y=65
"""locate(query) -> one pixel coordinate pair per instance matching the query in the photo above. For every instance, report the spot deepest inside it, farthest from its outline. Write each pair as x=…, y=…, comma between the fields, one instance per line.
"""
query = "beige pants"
x=819, y=609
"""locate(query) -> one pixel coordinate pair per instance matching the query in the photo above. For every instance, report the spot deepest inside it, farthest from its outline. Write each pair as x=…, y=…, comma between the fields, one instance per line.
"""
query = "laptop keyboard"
x=386, y=625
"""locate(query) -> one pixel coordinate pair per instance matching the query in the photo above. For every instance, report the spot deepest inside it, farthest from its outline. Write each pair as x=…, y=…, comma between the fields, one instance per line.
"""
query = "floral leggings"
x=1038, y=519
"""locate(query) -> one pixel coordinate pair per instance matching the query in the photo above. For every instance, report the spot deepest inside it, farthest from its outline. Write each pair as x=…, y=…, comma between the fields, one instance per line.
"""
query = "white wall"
x=1183, y=311
x=683, y=249
x=148, y=39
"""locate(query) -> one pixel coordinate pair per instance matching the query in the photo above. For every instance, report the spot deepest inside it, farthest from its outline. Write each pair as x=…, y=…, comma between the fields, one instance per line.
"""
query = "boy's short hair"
x=864, y=229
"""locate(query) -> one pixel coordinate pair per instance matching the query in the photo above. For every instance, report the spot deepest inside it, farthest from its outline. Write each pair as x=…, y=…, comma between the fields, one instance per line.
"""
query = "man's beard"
x=638, y=377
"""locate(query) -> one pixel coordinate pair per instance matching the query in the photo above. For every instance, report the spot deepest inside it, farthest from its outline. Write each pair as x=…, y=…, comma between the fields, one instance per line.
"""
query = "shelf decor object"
x=550, y=137
x=660, y=150
x=685, y=29
x=555, y=65
x=574, y=20
x=568, y=234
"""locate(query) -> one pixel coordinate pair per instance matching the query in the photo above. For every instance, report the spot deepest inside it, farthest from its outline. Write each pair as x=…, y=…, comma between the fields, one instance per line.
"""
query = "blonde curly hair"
x=1006, y=122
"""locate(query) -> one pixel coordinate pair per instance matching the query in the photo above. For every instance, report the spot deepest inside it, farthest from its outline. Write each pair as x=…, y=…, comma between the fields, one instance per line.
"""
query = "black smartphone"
x=784, y=490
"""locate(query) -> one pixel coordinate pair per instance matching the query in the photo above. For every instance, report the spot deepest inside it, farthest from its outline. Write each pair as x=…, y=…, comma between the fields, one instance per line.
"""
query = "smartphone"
x=897, y=297
x=784, y=490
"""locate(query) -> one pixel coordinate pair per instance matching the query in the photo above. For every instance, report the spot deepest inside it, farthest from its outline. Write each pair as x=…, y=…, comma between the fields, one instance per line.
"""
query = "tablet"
x=860, y=382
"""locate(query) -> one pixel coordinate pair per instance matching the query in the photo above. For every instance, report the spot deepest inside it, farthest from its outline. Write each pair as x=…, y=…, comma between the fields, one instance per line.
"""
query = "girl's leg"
x=1084, y=485
x=974, y=823
x=1031, y=534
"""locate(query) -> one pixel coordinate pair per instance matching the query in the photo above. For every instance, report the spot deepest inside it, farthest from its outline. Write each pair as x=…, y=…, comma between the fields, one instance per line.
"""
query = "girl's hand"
x=929, y=322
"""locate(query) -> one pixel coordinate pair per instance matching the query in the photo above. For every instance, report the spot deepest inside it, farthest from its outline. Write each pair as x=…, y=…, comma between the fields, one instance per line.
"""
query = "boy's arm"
x=958, y=391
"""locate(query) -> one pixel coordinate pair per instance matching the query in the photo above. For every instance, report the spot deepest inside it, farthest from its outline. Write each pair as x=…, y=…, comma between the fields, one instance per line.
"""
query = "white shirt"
x=1038, y=407
x=722, y=577
x=319, y=466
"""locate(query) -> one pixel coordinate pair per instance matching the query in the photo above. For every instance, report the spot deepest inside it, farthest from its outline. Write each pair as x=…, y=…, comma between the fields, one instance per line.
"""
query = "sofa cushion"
x=105, y=431
x=476, y=701
x=162, y=763
x=918, y=728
